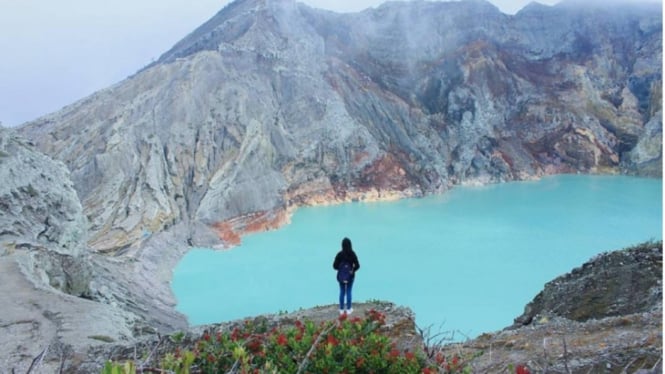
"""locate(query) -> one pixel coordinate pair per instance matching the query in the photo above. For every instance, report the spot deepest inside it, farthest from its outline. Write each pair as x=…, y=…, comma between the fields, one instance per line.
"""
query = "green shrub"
x=346, y=345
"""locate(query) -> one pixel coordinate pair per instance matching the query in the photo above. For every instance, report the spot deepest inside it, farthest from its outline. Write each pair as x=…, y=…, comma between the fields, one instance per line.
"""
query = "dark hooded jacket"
x=347, y=255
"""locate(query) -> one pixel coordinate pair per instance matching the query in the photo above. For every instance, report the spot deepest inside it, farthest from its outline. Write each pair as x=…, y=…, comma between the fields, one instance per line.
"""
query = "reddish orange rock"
x=231, y=231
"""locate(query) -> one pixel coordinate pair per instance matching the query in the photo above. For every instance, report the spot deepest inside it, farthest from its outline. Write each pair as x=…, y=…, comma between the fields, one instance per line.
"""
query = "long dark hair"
x=346, y=245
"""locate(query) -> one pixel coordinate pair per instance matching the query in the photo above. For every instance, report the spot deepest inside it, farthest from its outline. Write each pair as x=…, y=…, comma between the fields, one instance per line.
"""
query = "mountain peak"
x=229, y=24
x=534, y=6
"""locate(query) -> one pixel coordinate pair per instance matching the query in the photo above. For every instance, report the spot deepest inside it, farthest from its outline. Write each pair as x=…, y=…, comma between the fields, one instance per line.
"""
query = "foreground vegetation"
x=346, y=345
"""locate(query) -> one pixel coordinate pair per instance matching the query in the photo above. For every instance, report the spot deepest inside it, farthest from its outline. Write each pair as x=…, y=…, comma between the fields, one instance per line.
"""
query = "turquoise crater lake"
x=466, y=261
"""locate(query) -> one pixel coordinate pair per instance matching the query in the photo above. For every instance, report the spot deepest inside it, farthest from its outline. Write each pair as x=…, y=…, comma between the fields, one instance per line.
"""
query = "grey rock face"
x=271, y=104
x=57, y=298
x=646, y=158
x=604, y=316
x=41, y=215
x=612, y=284
x=38, y=204
x=44, y=272
x=38, y=320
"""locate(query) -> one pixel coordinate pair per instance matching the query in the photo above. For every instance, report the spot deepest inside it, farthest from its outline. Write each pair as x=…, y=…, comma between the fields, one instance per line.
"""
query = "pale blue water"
x=468, y=260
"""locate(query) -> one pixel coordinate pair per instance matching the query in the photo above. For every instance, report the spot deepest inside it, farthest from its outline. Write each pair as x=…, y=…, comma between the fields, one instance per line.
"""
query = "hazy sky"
x=54, y=52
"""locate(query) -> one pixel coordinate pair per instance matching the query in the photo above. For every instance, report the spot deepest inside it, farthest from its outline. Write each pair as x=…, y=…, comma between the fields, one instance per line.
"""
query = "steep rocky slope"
x=57, y=297
x=272, y=104
x=603, y=317
x=613, y=284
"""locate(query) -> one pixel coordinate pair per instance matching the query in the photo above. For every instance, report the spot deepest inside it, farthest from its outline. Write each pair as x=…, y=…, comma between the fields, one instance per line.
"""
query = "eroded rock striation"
x=612, y=284
x=58, y=297
x=271, y=105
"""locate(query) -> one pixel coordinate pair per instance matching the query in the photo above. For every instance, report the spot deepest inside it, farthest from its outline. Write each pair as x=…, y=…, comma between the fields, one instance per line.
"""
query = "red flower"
x=331, y=340
x=206, y=336
x=235, y=334
x=343, y=317
x=210, y=357
x=281, y=340
x=455, y=361
x=394, y=353
x=521, y=369
x=409, y=356
x=359, y=362
x=378, y=317
x=427, y=371
x=254, y=345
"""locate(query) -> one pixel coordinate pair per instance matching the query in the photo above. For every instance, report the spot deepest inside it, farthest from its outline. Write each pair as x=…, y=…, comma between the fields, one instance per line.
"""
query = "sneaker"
x=349, y=311
x=341, y=311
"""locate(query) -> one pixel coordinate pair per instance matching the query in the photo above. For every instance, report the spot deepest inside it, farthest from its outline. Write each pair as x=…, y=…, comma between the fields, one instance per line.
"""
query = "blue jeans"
x=345, y=290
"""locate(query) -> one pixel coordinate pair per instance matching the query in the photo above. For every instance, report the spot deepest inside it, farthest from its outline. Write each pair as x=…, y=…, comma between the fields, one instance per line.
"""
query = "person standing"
x=346, y=263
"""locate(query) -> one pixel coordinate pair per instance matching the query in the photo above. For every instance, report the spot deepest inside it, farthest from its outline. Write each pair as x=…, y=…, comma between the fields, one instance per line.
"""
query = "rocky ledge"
x=603, y=317
x=399, y=327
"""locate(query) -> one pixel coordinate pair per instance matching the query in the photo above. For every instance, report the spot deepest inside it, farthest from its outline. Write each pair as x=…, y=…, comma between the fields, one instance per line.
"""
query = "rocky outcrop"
x=43, y=276
x=646, y=158
x=612, y=284
x=38, y=203
x=38, y=321
x=399, y=327
x=59, y=299
x=605, y=316
x=271, y=105
x=624, y=344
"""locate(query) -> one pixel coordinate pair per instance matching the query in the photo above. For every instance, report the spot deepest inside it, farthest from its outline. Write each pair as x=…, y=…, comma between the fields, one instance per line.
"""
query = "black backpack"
x=344, y=274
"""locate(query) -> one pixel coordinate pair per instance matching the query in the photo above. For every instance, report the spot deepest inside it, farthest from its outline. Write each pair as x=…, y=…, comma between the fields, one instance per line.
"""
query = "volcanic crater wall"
x=271, y=104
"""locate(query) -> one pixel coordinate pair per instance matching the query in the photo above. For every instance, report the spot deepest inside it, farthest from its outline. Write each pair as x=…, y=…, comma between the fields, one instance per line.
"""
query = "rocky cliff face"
x=41, y=217
x=57, y=297
x=272, y=104
x=604, y=317
x=613, y=284
x=39, y=206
